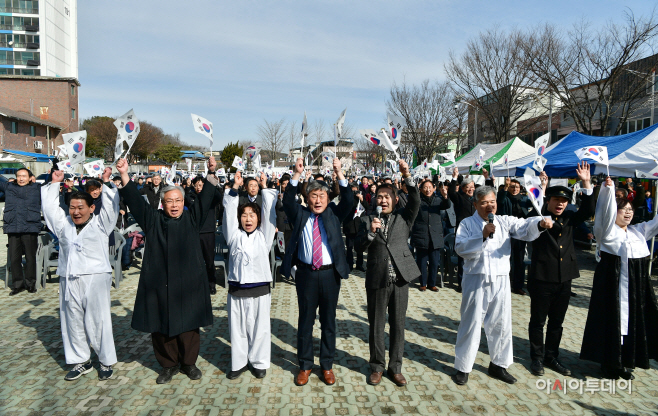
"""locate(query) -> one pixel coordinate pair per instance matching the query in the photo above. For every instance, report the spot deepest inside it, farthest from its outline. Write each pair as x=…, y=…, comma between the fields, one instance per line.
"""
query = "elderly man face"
x=173, y=203
x=157, y=181
x=318, y=201
x=486, y=205
x=469, y=189
x=252, y=188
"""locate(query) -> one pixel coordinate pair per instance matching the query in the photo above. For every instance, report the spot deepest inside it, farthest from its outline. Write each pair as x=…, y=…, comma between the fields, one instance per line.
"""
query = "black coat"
x=151, y=195
x=464, y=207
x=332, y=217
x=351, y=223
x=554, y=254
x=509, y=204
x=427, y=231
x=396, y=247
x=210, y=224
x=173, y=295
x=22, y=208
x=244, y=199
x=602, y=337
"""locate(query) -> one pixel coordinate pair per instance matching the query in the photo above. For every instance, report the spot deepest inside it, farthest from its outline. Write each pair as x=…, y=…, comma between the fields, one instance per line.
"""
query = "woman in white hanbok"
x=621, y=332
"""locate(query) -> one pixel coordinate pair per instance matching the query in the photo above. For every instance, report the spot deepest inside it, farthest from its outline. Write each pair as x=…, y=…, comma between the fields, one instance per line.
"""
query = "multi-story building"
x=39, y=38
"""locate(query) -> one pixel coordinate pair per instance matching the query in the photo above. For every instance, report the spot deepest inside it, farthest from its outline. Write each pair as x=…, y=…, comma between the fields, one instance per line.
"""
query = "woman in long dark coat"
x=622, y=323
x=427, y=234
x=173, y=295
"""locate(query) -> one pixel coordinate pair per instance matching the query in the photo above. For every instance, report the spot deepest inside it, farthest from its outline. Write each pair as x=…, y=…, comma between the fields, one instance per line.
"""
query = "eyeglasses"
x=626, y=210
x=173, y=201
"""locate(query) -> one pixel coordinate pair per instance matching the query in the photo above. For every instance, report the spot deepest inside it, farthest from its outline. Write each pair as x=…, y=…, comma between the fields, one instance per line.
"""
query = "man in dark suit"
x=391, y=267
x=317, y=249
x=552, y=268
x=252, y=193
x=462, y=201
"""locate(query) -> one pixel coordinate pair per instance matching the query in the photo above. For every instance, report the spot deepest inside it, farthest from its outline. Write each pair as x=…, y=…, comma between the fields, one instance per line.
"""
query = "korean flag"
x=75, y=146
x=203, y=126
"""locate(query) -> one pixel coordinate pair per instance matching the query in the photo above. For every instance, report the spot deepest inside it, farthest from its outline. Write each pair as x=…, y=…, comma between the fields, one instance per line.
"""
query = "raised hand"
x=455, y=172
x=338, y=170
x=609, y=183
x=263, y=180
x=583, y=171
x=237, y=180
x=107, y=173
x=485, y=173
x=543, y=178
x=122, y=166
x=404, y=168
x=546, y=223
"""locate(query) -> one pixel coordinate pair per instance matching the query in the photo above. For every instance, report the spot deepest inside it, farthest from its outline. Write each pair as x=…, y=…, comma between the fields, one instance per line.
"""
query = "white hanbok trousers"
x=86, y=319
x=489, y=301
x=251, y=336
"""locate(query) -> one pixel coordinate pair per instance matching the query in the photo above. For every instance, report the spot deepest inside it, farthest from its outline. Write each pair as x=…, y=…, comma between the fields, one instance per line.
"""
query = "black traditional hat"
x=559, y=191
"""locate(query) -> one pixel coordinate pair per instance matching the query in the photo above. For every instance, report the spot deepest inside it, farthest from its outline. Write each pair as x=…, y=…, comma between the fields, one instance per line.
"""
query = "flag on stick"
x=94, y=168
x=535, y=191
x=597, y=153
x=395, y=126
x=127, y=130
x=203, y=126
x=304, y=130
x=75, y=146
x=449, y=157
x=238, y=163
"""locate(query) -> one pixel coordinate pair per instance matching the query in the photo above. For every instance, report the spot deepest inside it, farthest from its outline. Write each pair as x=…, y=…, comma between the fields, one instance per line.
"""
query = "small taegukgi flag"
x=62, y=151
x=597, y=153
x=395, y=126
x=94, y=168
x=65, y=165
x=171, y=175
x=539, y=163
x=203, y=126
x=541, y=144
x=75, y=146
x=127, y=130
x=238, y=163
x=280, y=241
x=535, y=191
x=479, y=161
x=252, y=151
x=359, y=210
x=304, y=129
x=449, y=157
x=339, y=127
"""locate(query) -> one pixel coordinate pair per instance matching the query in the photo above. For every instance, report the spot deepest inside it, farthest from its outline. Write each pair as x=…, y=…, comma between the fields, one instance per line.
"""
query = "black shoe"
x=573, y=294
x=555, y=365
x=125, y=267
x=501, y=374
x=213, y=289
x=537, y=368
x=258, y=373
x=32, y=290
x=458, y=289
x=460, y=378
x=626, y=374
x=105, y=372
x=78, y=371
x=191, y=371
x=166, y=374
x=609, y=372
x=232, y=375
x=16, y=291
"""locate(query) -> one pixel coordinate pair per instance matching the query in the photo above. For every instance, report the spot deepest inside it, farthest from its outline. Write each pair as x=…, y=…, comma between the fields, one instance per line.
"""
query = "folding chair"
x=274, y=263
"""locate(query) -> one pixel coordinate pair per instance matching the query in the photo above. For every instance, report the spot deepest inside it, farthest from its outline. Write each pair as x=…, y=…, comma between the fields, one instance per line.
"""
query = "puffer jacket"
x=22, y=208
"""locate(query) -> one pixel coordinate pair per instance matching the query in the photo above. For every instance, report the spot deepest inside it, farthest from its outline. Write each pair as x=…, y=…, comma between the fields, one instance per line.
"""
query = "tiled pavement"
x=32, y=364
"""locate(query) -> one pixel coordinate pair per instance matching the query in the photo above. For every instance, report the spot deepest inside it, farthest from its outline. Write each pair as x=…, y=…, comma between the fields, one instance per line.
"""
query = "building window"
x=73, y=113
x=72, y=90
x=14, y=127
x=631, y=126
x=33, y=131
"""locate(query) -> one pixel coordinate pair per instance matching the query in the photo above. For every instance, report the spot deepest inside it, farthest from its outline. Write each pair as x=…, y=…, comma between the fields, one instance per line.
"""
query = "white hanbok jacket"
x=87, y=252
x=491, y=257
x=249, y=255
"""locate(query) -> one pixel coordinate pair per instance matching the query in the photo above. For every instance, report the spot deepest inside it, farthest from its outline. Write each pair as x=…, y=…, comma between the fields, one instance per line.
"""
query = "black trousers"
x=460, y=270
x=19, y=245
x=180, y=349
x=315, y=289
x=395, y=299
x=208, y=252
x=349, y=251
x=517, y=265
x=547, y=300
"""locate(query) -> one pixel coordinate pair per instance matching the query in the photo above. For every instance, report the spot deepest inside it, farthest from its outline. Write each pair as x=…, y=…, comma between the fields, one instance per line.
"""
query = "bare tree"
x=294, y=137
x=491, y=76
x=428, y=110
x=272, y=136
x=459, y=127
x=595, y=75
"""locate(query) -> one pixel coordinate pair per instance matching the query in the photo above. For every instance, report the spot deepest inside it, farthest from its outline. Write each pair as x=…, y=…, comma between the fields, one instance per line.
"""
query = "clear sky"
x=239, y=62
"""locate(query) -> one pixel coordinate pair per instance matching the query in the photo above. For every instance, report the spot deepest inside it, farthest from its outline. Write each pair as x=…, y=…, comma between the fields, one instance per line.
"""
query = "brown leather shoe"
x=302, y=377
x=398, y=379
x=423, y=288
x=329, y=377
x=434, y=289
x=375, y=378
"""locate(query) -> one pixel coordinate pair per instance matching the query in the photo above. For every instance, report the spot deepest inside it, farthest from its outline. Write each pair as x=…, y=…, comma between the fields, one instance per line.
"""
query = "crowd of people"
x=327, y=224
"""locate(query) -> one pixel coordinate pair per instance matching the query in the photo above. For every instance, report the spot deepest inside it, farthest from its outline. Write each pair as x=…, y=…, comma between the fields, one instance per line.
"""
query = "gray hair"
x=156, y=175
x=483, y=191
x=170, y=188
x=316, y=185
x=465, y=182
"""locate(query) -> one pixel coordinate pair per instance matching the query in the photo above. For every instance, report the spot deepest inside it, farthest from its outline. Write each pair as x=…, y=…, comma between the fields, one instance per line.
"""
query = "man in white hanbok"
x=85, y=274
x=483, y=240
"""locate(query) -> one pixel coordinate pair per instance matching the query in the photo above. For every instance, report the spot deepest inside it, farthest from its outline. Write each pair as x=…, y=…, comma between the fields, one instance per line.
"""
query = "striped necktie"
x=317, y=244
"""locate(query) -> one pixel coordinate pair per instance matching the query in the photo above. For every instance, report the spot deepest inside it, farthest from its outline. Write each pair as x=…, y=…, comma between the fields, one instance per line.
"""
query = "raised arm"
x=344, y=207
x=268, y=214
x=410, y=211
x=230, y=224
x=203, y=205
x=110, y=209
x=140, y=209
x=53, y=214
x=606, y=211
x=290, y=205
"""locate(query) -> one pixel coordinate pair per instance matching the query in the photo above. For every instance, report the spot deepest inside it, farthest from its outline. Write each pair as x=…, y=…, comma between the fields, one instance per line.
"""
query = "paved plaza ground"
x=32, y=365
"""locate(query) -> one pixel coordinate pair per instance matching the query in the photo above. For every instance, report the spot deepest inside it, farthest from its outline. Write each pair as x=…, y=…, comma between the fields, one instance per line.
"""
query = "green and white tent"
x=493, y=155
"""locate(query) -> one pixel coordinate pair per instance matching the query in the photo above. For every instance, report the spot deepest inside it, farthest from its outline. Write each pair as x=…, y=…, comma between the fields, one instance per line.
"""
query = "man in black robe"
x=173, y=295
